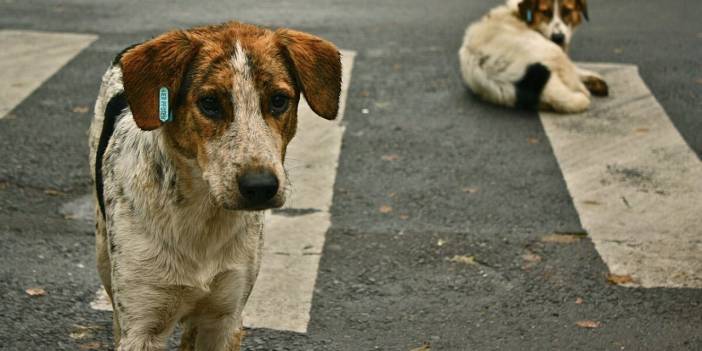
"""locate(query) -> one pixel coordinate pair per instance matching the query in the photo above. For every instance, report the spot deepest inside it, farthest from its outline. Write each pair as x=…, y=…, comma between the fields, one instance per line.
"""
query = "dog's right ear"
x=148, y=67
x=582, y=6
x=526, y=10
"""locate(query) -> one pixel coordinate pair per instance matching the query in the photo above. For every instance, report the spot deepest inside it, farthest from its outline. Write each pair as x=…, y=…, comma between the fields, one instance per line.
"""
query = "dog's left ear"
x=146, y=68
x=317, y=65
x=582, y=6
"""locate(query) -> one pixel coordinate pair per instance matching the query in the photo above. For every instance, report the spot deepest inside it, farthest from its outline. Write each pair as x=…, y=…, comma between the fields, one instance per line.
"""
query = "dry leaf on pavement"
x=385, y=209
x=588, y=324
x=469, y=190
x=81, y=109
x=579, y=301
x=533, y=141
x=390, y=157
x=463, y=259
x=36, y=292
x=619, y=279
x=561, y=238
x=425, y=347
x=94, y=345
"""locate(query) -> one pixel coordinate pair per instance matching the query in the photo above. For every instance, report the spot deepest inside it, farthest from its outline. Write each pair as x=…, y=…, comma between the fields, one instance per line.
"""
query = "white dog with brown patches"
x=517, y=55
x=187, y=149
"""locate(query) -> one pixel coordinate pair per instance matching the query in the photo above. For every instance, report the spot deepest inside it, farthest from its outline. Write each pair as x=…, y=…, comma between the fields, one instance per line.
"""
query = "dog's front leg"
x=594, y=82
x=216, y=323
x=147, y=314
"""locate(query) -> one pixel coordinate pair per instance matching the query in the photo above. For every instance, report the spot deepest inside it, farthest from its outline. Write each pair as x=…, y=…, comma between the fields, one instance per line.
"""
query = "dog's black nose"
x=257, y=187
x=558, y=38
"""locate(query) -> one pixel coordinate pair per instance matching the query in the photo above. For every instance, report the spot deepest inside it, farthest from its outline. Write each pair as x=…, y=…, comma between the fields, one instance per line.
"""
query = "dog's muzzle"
x=558, y=38
x=258, y=188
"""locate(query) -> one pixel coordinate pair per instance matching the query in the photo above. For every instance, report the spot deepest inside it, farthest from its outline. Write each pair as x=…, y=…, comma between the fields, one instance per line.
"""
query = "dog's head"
x=233, y=90
x=555, y=19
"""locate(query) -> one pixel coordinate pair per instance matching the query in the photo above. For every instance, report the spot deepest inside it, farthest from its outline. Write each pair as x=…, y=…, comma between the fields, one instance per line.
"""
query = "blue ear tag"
x=163, y=113
x=529, y=16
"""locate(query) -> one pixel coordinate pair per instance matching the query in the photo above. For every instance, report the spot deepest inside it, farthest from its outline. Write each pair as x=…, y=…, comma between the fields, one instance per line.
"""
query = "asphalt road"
x=465, y=178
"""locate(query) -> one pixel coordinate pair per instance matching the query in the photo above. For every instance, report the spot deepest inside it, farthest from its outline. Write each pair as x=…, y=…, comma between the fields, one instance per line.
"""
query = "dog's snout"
x=258, y=187
x=558, y=38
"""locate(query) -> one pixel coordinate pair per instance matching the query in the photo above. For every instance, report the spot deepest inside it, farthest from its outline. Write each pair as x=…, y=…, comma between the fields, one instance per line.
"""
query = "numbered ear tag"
x=529, y=16
x=163, y=113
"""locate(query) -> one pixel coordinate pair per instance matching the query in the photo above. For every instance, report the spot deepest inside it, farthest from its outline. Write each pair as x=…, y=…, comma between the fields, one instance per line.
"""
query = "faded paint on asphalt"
x=636, y=184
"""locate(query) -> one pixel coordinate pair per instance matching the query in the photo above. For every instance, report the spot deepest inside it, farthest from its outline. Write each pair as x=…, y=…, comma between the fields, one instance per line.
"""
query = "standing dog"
x=187, y=149
x=517, y=55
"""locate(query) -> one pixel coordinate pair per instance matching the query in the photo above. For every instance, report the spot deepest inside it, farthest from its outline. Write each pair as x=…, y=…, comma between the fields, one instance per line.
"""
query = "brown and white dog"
x=179, y=204
x=517, y=55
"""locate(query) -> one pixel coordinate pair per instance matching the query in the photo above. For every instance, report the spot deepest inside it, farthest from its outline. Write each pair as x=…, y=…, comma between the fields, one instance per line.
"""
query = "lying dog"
x=186, y=150
x=516, y=55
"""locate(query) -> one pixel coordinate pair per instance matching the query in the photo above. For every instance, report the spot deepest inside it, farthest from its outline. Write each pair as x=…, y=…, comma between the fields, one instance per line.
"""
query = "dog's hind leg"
x=594, y=82
x=560, y=98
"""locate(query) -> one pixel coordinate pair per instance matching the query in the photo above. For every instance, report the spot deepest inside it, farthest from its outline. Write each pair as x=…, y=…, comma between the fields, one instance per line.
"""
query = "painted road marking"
x=294, y=236
x=29, y=58
x=636, y=184
x=282, y=296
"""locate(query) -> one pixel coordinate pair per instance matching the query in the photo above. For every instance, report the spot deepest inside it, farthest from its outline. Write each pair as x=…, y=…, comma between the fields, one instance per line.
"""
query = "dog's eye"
x=279, y=104
x=548, y=13
x=565, y=12
x=210, y=107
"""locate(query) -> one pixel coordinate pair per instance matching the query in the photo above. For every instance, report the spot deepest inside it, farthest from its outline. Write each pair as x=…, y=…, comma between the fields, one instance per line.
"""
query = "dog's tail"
x=530, y=87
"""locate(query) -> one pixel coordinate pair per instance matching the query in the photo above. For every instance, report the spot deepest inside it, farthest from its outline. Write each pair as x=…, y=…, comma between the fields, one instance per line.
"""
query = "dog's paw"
x=597, y=86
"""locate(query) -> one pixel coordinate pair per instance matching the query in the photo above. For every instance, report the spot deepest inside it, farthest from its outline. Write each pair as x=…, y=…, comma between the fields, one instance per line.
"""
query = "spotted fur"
x=176, y=241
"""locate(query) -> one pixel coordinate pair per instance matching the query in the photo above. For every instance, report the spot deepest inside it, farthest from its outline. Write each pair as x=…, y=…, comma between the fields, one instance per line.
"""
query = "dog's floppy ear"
x=148, y=67
x=582, y=6
x=526, y=10
x=317, y=66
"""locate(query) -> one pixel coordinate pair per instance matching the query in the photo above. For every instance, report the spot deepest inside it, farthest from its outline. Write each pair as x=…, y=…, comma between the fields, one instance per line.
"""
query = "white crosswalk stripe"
x=636, y=184
x=29, y=58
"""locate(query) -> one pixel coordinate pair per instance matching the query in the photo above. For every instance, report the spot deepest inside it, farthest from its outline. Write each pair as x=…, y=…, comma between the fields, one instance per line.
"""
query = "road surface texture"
x=451, y=221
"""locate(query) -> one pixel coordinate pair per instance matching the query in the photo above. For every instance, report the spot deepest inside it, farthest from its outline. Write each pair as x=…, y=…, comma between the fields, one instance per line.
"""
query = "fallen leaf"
x=404, y=216
x=364, y=93
x=616, y=279
x=81, y=109
x=53, y=192
x=641, y=130
x=533, y=140
x=470, y=260
x=531, y=258
x=82, y=332
x=385, y=209
x=94, y=345
x=579, y=301
x=425, y=347
x=36, y=292
x=591, y=203
x=561, y=238
x=396, y=66
x=588, y=324
x=390, y=157
x=391, y=195
x=470, y=190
